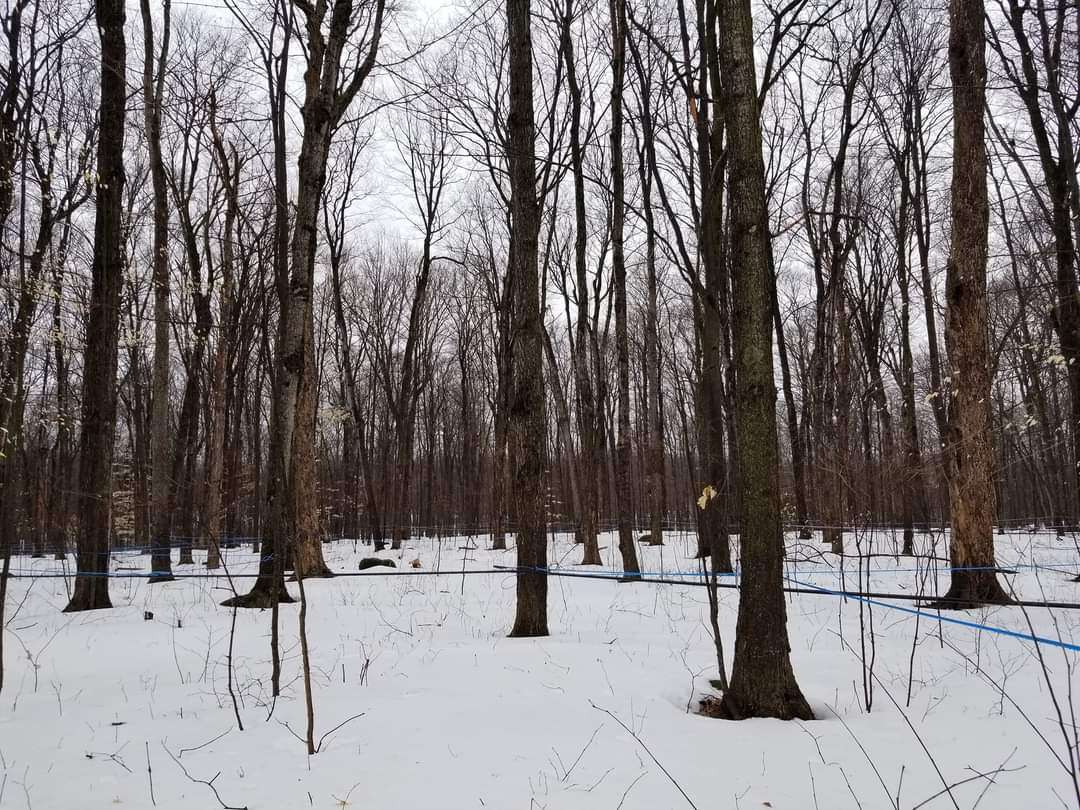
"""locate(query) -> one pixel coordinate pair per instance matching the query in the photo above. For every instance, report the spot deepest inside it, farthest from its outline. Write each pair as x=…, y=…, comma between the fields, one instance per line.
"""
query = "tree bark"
x=591, y=455
x=102, y=327
x=618, y=261
x=526, y=422
x=153, y=88
x=969, y=457
x=763, y=682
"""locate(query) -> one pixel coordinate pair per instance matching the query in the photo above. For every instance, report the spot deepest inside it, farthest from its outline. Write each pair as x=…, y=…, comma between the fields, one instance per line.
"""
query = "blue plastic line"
x=1052, y=642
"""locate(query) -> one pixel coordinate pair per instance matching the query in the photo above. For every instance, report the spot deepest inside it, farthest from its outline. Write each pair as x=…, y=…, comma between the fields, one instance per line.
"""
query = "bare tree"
x=618, y=260
x=332, y=80
x=763, y=682
x=102, y=329
x=969, y=459
x=527, y=418
x=153, y=87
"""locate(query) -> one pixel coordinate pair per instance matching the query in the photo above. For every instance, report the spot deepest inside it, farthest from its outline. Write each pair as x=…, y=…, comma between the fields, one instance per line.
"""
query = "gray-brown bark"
x=618, y=261
x=102, y=328
x=526, y=417
x=763, y=682
x=588, y=414
x=969, y=458
x=229, y=172
x=153, y=82
x=1050, y=101
x=326, y=99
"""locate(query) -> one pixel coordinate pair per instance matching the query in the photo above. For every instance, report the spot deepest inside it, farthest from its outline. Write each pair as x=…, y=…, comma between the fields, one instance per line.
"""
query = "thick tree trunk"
x=306, y=553
x=527, y=427
x=763, y=682
x=103, y=326
x=969, y=456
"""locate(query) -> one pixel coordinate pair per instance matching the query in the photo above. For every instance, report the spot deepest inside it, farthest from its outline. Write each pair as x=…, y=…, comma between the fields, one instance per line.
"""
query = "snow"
x=457, y=715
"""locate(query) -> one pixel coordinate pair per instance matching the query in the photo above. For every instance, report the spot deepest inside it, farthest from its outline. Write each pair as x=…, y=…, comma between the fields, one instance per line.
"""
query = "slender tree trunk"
x=798, y=453
x=153, y=87
x=498, y=465
x=591, y=456
x=63, y=456
x=654, y=425
x=566, y=440
x=646, y=165
x=5, y=571
x=215, y=454
x=218, y=418
x=913, y=494
x=624, y=457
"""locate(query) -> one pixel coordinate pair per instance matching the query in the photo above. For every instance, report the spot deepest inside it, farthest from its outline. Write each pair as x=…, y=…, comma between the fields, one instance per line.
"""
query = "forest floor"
x=108, y=709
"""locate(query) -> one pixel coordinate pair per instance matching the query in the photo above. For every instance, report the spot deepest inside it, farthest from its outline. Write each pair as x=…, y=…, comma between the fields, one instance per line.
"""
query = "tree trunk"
x=307, y=556
x=153, y=87
x=763, y=682
x=102, y=326
x=215, y=453
x=498, y=465
x=969, y=456
x=591, y=455
x=618, y=263
x=654, y=425
x=913, y=499
x=527, y=429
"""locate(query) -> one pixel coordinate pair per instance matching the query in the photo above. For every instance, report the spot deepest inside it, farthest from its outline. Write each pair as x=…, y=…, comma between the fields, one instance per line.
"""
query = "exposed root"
x=258, y=599
x=970, y=590
x=729, y=707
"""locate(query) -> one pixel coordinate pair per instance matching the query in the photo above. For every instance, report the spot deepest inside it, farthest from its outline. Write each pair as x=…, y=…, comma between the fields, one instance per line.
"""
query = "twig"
x=626, y=792
x=4, y=572
x=965, y=781
x=640, y=742
x=1008, y=697
x=208, y=742
x=232, y=638
x=150, y=774
x=335, y=728
x=865, y=753
x=309, y=702
x=583, y=750
x=208, y=782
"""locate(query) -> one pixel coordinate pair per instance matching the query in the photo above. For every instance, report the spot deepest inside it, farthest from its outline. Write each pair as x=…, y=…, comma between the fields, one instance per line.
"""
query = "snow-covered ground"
x=453, y=714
